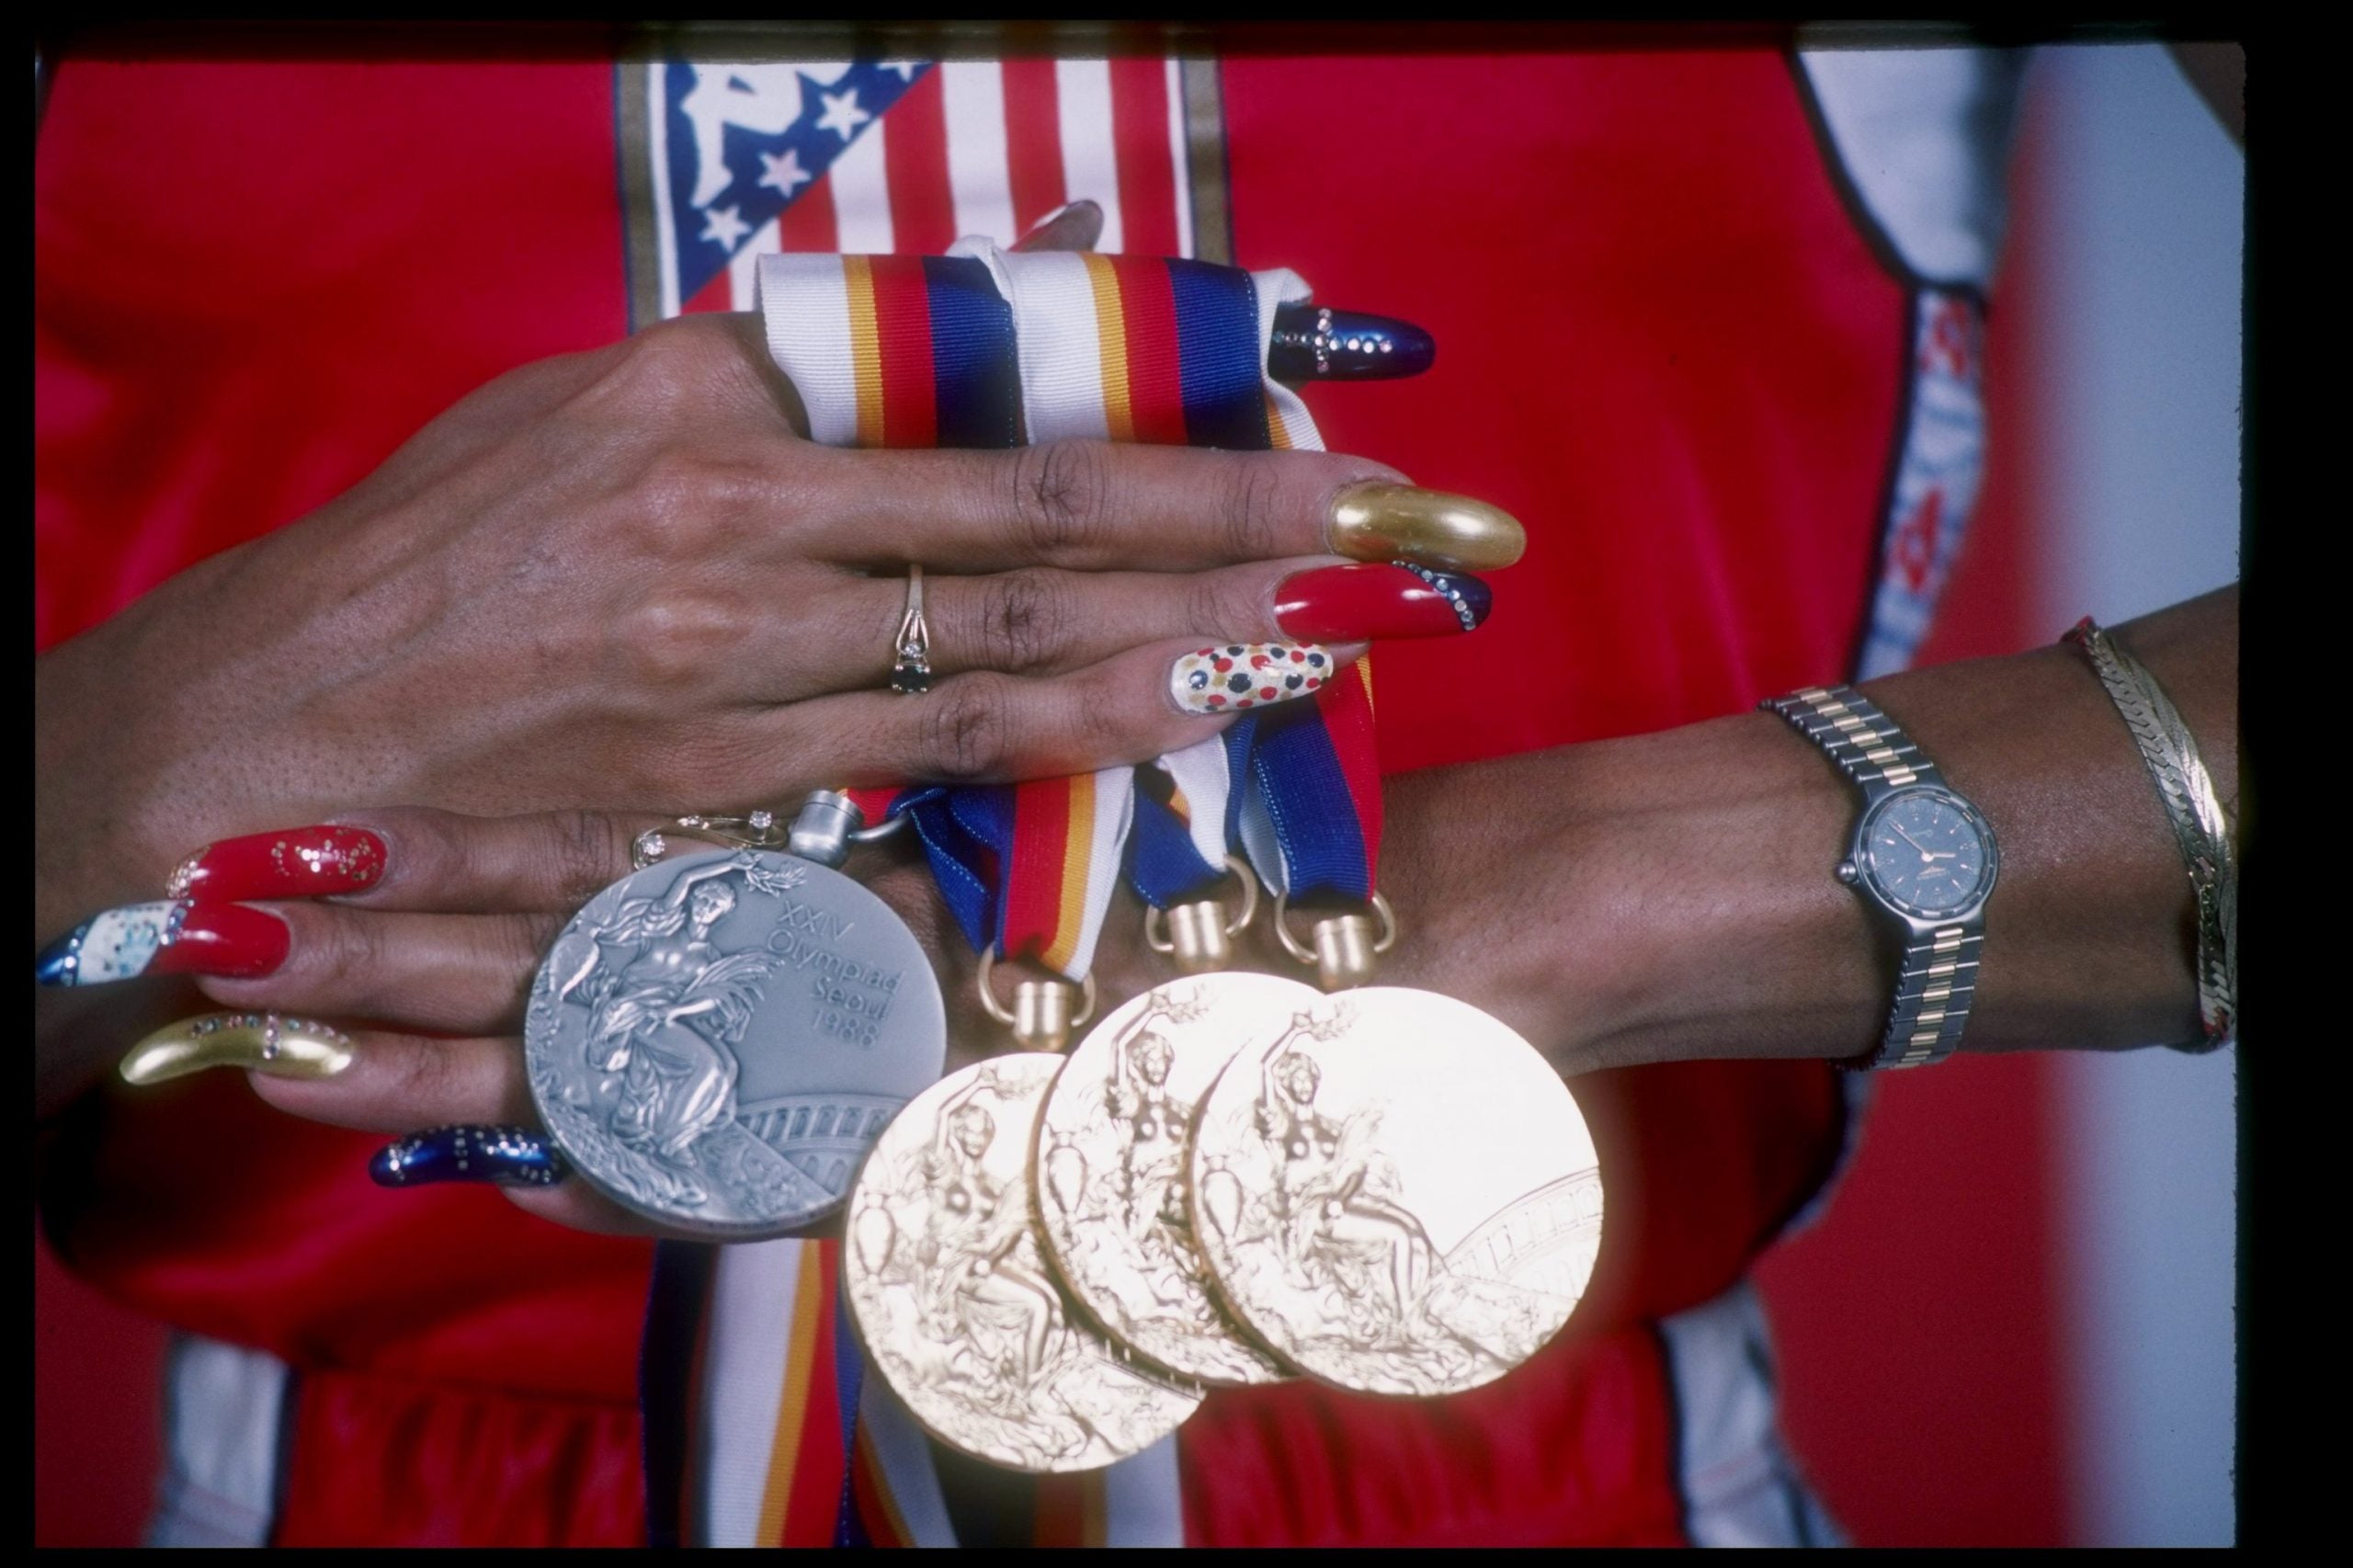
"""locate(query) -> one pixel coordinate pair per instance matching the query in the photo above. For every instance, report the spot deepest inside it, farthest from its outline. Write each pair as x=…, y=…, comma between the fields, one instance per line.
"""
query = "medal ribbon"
x=776, y=1438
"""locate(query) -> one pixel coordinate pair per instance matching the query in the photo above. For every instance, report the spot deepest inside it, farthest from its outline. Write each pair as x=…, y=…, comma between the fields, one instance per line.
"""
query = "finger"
x=399, y=1083
x=1043, y=621
x=448, y=973
x=1076, y=227
x=525, y=1164
x=498, y=1155
x=1086, y=506
x=1313, y=343
x=986, y=726
x=416, y=859
x=579, y=1207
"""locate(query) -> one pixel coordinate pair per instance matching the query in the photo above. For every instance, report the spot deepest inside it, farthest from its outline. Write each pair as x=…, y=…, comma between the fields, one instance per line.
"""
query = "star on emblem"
x=724, y=226
x=905, y=68
x=784, y=174
x=842, y=116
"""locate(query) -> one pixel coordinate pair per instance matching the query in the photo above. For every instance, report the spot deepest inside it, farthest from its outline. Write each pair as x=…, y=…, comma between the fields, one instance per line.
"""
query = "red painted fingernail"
x=230, y=940
x=1365, y=604
x=301, y=862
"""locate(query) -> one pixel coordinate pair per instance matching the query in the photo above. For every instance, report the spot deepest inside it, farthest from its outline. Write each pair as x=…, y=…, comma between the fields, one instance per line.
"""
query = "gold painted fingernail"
x=267, y=1042
x=1379, y=521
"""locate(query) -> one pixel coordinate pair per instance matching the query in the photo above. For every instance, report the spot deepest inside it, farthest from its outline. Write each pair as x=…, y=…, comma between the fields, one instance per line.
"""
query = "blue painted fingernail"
x=1312, y=344
x=503, y=1156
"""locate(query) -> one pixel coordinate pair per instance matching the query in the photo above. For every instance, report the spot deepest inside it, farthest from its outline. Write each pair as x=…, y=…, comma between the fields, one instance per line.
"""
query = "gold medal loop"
x=1344, y=945
x=1199, y=934
x=1041, y=1016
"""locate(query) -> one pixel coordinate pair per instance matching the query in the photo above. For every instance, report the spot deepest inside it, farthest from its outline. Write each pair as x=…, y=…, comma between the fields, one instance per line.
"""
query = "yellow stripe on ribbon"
x=1078, y=859
x=1112, y=335
x=808, y=1307
x=1363, y=667
x=1278, y=433
x=865, y=347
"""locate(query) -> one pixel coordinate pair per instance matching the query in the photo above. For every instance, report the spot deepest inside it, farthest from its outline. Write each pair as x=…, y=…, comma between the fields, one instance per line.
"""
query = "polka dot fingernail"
x=1236, y=677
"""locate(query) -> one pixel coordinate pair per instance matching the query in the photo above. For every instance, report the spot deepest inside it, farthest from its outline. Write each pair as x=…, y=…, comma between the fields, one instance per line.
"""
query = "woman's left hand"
x=424, y=956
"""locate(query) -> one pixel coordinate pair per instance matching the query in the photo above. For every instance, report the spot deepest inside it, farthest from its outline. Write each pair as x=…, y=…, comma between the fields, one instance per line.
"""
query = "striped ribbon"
x=761, y=1425
x=1311, y=819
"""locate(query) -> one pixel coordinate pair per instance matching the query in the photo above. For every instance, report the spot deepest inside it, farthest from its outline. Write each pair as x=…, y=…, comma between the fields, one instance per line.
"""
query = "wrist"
x=1659, y=897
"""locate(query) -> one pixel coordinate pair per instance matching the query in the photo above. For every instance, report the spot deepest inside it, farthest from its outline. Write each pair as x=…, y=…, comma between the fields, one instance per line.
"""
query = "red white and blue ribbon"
x=761, y=1425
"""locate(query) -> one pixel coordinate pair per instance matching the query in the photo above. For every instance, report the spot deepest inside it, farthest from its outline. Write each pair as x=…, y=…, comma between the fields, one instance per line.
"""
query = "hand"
x=425, y=954
x=621, y=578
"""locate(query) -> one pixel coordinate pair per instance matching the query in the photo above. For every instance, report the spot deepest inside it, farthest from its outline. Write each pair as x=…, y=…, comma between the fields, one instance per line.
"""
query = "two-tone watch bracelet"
x=1935, y=981
x=2195, y=810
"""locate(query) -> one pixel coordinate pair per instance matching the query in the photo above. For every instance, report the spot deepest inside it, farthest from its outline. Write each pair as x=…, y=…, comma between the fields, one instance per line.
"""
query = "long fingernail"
x=170, y=936
x=301, y=862
x=266, y=1042
x=1312, y=344
x=1379, y=521
x=1236, y=676
x=503, y=1156
x=1368, y=604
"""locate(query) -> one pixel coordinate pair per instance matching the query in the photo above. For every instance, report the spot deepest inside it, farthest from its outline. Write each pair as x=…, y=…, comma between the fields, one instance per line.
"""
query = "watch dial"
x=1926, y=854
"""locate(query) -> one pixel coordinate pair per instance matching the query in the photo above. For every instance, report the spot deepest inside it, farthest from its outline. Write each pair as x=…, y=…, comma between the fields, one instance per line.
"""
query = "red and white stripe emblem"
x=974, y=147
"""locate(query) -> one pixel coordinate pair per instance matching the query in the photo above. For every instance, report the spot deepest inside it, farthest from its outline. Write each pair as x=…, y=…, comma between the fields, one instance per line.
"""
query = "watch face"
x=1928, y=853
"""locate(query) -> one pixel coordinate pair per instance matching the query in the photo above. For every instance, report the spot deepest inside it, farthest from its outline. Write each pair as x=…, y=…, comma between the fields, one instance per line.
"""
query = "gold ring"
x=911, y=667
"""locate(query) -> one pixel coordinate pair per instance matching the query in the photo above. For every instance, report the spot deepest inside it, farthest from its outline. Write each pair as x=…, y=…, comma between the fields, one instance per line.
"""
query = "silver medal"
x=716, y=1040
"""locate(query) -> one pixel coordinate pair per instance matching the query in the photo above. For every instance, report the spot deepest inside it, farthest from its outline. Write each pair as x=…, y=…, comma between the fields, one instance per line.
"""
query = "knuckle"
x=426, y=1072
x=517, y=944
x=1061, y=494
x=675, y=640
x=968, y=730
x=666, y=495
x=582, y=851
x=665, y=364
x=345, y=951
x=1220, y=604
x=1028, y=619
x=1107, y=730
x=1252, y=509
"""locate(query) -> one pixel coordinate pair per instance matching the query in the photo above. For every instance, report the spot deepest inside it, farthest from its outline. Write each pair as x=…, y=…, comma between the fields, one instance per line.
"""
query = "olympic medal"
x=716, y=1040
x=954, y=1300
x=1395, y=1193
x=1110, y=1168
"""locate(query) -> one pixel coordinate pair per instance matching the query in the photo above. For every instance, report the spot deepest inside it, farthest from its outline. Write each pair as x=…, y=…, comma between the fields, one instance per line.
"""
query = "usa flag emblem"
x=723, y=163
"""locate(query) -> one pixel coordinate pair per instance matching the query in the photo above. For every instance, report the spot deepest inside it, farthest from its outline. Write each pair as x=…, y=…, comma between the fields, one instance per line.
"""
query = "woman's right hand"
x=622, y=579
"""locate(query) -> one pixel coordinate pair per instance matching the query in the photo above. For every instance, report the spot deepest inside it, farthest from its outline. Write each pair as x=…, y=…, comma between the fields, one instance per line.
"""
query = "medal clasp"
x=1045, y=1013
x=1346, y=951
x=1199, y=935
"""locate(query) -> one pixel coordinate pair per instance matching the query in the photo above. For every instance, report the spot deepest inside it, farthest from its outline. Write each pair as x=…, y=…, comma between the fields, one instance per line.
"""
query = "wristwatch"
x=1922, y=855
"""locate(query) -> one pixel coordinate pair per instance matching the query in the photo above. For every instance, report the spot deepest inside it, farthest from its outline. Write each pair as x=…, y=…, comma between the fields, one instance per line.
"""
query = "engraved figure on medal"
x=1397, y=1193
x=1111, y=1157
x=714, y=1040
x=953, y=1297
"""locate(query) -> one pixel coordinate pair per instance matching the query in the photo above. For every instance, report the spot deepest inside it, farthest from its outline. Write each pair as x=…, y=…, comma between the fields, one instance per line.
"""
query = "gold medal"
x=953, y=1297
x=1396, y=1193
x=1111, y=1147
